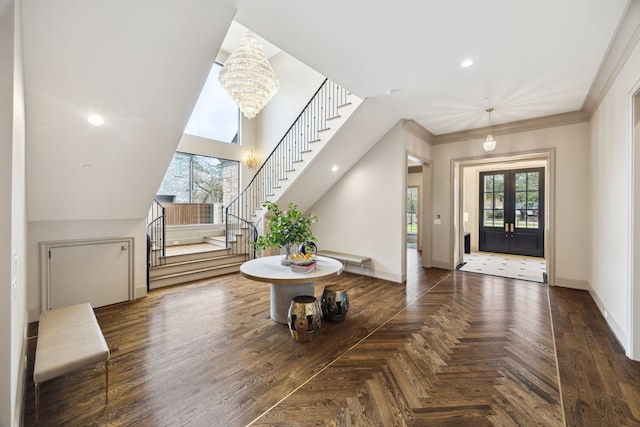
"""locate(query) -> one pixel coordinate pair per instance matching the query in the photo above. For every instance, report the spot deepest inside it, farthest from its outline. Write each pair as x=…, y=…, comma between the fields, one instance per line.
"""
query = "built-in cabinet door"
x=95, y=272
x=512, y=212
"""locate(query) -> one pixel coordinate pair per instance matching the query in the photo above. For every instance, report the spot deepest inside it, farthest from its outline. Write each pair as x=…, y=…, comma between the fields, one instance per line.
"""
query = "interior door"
x=512, y=212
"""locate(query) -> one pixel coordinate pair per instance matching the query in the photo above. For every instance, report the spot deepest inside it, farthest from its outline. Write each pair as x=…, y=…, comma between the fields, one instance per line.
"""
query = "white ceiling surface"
x=531, y=58
x=141, y=65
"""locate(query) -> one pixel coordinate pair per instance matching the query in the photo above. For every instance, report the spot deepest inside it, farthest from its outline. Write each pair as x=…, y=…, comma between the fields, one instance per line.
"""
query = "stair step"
x=324, y=130
x=186, y=267
x=344, y=105
x=205, y=273
x=216, y=240
x=333, y=118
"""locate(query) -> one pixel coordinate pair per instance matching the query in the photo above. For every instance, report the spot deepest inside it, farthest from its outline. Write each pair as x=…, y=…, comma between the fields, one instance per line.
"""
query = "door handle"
x=506, y=227
x=512, y=227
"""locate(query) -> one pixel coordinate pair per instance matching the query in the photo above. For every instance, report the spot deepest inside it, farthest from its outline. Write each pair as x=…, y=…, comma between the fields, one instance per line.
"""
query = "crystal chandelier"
x=489, y=144
x=248, y=77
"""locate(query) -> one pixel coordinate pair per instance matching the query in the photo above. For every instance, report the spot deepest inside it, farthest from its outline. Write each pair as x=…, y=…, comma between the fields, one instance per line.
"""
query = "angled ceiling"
x=141, y=65
x=531, y=59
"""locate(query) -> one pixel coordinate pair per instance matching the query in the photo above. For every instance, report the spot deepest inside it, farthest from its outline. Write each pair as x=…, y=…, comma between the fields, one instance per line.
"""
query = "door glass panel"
x=488, y=183
x=493, y=200
x=526, y=200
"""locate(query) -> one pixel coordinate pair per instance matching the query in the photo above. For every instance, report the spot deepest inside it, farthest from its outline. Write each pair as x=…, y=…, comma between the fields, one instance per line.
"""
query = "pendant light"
x=248, y=77
x=489, y=144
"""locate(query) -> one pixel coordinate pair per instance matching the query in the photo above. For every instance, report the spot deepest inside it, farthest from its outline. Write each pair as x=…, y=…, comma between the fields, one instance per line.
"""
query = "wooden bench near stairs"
x=348, y=259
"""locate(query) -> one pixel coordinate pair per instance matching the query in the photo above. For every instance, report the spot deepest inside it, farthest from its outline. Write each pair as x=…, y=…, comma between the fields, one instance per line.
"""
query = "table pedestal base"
x=281, y=296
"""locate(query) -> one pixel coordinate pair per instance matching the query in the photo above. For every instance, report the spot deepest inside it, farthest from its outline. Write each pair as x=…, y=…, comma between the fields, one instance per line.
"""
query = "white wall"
x=364, y=213
x=13, y=292
x=298, y=83
x=571, y=204
x=610, y=229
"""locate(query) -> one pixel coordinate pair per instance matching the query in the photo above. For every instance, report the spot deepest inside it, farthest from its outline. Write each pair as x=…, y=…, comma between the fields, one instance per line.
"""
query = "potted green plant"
x=287, y=229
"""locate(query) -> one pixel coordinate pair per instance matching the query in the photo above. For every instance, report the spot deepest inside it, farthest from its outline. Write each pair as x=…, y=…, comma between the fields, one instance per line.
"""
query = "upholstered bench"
x=347, y=258
x=69, y=339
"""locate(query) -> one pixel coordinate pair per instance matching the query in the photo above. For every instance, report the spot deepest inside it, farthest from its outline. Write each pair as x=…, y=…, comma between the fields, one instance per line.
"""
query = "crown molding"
x=514, y=127
x=417, y=130
x=622, y=44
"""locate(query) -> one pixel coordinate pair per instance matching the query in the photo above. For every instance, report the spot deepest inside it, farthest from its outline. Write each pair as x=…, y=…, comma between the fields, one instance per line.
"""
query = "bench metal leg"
x=37, y=396
x=106, y=378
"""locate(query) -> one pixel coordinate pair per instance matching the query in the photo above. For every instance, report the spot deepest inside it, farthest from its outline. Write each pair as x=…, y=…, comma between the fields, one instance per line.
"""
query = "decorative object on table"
x=304, y=317
x=302, y=259
x=287, y=230
x=308, y=248
x=334, y=303
x=304, y=268
x=248, y=77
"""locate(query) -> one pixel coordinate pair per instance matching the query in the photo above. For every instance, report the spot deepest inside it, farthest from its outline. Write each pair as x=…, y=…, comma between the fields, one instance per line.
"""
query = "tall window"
x=215, y=115
x=208, y=183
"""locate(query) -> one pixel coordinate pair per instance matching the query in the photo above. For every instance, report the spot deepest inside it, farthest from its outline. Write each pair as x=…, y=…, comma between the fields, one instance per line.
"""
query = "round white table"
x=285, y=283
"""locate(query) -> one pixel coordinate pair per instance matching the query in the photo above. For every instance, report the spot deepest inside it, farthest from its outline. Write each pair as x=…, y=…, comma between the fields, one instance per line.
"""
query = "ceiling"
x=531, y=59
x=142, y=65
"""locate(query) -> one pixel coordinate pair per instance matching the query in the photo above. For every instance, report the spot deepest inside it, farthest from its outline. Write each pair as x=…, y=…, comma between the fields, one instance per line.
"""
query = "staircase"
x=325, y=113
x=327, y=110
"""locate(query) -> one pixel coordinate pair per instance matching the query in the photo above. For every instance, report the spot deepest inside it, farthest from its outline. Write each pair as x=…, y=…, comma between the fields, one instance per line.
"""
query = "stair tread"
x=196, y=271
x=192, y=261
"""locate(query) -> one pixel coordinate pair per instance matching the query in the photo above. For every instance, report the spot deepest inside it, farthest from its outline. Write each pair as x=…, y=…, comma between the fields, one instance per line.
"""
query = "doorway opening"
x=417, y=253
x=503, y=226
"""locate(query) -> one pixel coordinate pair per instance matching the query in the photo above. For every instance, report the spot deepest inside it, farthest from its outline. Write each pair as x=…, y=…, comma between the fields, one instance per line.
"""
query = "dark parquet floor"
x=449, y=348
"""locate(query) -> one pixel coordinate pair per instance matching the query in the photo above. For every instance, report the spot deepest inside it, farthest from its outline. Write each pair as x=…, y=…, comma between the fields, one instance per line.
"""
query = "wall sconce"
x=251, y=160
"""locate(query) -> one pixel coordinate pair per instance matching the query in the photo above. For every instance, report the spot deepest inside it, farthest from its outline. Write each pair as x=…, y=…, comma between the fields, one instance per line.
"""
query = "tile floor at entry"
x=512, y=266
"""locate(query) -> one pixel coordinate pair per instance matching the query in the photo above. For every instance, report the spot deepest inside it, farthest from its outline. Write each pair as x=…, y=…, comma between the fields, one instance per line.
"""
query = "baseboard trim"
x=440, y=264
x=571, y=283
x=140, y=292
x=33, y=314
x=610, y=321
x=22, y=382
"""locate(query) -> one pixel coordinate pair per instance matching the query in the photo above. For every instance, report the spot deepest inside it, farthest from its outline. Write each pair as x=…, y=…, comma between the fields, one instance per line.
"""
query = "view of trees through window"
x=208, y=184
x=412, y=210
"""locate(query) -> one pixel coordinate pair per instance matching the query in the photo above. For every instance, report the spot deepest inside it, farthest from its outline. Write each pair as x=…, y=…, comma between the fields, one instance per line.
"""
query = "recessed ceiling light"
x=95, y=120
x=467, y=63
x=334, y=168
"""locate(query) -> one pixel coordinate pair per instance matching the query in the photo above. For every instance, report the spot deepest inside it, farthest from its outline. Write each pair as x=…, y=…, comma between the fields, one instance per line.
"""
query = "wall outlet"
x=176, y=242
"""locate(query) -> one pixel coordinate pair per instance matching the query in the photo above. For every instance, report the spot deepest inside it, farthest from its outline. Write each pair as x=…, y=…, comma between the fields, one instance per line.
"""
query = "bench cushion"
x=69, y=338
x=345, y=257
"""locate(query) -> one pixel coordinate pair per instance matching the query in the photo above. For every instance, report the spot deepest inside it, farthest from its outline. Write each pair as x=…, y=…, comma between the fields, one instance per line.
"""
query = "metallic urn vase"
x=304, y=317
x=334, y=303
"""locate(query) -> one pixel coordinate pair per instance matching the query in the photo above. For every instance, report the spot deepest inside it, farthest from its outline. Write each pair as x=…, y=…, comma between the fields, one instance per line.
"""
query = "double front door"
x=512, y=212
